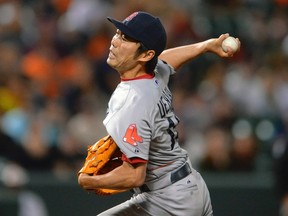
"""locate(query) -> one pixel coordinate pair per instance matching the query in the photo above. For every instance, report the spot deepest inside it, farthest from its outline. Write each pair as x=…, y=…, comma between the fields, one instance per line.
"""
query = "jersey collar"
x=145, y=76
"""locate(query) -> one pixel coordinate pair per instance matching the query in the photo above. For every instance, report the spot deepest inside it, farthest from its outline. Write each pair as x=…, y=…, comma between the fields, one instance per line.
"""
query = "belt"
x=165, y=181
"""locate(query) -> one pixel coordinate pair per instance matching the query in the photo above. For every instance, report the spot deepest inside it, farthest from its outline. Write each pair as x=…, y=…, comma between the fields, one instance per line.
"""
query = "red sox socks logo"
x=131, y=135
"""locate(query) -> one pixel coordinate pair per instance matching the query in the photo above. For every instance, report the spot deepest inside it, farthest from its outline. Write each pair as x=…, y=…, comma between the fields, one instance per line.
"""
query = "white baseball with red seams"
x=230, y=42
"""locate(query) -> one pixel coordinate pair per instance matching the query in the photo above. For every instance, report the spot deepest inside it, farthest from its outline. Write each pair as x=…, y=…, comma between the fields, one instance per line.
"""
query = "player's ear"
x=147, y=55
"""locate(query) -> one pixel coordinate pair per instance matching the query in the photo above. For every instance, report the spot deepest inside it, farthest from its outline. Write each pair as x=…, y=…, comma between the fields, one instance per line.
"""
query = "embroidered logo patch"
x=130, y=17
x=131, y=136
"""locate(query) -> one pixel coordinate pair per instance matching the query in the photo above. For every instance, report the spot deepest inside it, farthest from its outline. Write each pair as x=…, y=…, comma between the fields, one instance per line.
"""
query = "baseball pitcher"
x=141, y=126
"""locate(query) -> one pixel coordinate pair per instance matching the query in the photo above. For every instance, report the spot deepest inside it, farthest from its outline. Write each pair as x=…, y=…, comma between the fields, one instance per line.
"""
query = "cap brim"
x=122, y=27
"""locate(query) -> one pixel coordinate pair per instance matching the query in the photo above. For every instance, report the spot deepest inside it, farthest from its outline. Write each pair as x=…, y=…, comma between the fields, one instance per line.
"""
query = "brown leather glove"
x=102, y=157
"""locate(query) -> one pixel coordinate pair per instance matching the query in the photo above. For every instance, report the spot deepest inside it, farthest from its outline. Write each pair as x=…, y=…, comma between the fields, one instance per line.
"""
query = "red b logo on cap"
x=130, y=17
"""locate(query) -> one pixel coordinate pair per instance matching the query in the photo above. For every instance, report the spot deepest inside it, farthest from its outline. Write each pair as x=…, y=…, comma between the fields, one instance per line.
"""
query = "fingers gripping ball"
x=230, y=42
x=102, y=157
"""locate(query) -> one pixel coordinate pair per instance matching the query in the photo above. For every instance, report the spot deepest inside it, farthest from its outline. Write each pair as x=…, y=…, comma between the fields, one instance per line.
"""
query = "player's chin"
x=112, y=63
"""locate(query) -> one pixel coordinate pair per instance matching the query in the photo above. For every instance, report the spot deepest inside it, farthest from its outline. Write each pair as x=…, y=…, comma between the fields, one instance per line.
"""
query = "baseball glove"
x=102, y=157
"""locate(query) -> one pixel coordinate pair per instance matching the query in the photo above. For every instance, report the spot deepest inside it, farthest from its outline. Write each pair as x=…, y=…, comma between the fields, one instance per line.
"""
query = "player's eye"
x=124, y=37
x=127, y=38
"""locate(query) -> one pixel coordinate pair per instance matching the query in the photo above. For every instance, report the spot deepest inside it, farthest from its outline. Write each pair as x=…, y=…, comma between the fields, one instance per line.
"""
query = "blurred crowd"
x=55, y=83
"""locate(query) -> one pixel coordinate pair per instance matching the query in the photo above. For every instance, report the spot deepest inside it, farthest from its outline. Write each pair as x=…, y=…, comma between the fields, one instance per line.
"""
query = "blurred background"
x=55, y=86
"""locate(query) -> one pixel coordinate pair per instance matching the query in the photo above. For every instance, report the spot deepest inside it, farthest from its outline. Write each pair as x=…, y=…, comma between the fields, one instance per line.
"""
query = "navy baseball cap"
x=145, y=28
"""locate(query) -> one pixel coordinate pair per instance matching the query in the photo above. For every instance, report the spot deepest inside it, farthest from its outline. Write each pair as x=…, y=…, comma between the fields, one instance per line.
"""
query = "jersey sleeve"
x=164, y=70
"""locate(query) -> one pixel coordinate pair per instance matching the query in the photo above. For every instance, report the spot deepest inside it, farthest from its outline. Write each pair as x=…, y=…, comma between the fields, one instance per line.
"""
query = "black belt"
x=179, y=174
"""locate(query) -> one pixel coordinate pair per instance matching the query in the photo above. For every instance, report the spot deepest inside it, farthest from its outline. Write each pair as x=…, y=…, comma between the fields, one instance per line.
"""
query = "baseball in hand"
x=230, y=42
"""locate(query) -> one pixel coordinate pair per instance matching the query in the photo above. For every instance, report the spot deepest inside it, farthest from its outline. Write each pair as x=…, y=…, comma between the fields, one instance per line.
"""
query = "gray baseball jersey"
x=141, y=120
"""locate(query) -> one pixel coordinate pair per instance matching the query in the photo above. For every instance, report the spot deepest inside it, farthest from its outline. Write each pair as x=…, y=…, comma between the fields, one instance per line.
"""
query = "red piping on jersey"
x=133, y=160
x=145, y=76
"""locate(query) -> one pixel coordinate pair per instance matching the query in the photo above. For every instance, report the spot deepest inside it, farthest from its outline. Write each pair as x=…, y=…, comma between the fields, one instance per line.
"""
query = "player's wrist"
x=208, y=45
